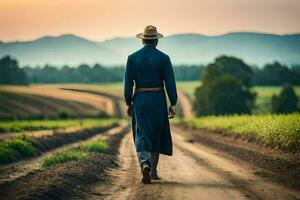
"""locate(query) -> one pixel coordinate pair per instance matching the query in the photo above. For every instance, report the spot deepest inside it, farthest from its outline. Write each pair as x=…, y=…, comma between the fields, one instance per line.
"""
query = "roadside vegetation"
x=279, y=131
x=76, y=154
x=32, y=125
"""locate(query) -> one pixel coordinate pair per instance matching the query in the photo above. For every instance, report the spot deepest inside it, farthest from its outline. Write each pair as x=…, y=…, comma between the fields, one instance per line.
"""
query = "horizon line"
x=127, y=37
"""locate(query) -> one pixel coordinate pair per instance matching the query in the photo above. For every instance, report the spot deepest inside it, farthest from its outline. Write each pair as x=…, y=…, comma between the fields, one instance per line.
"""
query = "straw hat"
x=150, y=33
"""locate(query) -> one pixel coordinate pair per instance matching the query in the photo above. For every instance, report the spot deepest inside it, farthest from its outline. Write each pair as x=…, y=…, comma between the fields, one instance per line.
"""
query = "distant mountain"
x=254, y=48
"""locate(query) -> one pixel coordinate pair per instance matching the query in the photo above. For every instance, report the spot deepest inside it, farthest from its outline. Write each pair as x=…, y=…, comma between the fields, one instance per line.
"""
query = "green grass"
x=76, y=154
x=281, y=131
x=65, y=156
x=95, y=146
x=31, y=125
x=12, y=150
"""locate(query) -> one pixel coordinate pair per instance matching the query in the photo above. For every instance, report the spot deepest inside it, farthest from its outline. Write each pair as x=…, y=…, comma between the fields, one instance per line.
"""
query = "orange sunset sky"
x=103, y=19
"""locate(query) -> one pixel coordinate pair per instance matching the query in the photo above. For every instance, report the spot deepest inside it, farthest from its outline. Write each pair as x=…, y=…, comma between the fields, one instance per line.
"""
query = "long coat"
x=148, y=68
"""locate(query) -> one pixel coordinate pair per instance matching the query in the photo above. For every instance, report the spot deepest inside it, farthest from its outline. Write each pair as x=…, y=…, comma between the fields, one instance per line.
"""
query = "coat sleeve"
x=128, y=82
x=170, y=84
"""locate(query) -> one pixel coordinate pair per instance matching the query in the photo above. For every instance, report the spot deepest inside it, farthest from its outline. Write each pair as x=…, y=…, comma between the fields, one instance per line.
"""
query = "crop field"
x=32, y=125
x=282, y=131
x=21, y=146
x=110, y=88
x=51, y=97
x=29, y=106
x=70, y=136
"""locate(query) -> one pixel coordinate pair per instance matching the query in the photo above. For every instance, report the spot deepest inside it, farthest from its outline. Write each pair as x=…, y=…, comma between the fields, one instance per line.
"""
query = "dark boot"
x=146, y=173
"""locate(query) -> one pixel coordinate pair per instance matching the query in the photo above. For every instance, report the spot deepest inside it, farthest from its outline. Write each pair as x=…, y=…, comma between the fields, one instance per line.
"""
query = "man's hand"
x=172, y=111
x=129, y=111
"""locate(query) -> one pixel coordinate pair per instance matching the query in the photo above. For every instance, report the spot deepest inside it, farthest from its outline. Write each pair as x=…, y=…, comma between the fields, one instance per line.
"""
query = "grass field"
x=31, y=125
x=282, y=131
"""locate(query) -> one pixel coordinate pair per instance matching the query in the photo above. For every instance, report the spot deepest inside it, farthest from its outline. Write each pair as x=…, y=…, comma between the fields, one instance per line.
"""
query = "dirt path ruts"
x=194, y=172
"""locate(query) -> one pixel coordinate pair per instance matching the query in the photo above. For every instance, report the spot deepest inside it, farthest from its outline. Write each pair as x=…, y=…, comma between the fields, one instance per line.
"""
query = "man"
x=150, y=71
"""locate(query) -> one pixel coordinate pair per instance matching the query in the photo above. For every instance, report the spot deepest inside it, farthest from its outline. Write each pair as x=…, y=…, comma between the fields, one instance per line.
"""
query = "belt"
x=155, y=89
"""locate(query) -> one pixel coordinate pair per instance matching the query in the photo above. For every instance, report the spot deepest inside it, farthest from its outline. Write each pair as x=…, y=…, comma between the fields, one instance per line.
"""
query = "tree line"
x=11, y=73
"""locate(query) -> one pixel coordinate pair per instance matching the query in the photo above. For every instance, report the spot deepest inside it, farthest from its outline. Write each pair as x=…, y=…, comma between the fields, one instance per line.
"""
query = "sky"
x=104, y=19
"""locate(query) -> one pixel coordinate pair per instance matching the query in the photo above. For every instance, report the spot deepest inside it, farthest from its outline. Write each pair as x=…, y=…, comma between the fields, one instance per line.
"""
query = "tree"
x=226, y=88
x=228, y=65
x=286, y=101
x=277, y=74
x=10, y=73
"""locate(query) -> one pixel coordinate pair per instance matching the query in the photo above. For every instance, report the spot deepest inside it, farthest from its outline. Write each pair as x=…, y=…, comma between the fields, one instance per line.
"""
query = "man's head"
x=150, y=42
x=150, y=36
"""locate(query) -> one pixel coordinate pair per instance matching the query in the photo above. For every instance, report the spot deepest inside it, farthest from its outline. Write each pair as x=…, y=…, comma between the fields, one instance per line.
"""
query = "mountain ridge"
x=190, y=48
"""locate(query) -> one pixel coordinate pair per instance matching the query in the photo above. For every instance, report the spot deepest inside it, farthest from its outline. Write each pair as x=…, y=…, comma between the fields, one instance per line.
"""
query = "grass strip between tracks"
x=280, y=131
x=75, y=154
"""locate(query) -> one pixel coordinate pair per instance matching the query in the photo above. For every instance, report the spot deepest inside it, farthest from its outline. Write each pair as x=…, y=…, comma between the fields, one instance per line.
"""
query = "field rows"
x=23, y=146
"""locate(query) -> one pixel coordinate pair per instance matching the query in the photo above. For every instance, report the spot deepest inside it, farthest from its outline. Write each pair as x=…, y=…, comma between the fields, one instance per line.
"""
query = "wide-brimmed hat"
x=150, y=33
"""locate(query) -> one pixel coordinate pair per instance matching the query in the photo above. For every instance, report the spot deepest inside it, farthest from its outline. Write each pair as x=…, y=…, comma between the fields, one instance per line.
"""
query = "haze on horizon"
x=99, y=19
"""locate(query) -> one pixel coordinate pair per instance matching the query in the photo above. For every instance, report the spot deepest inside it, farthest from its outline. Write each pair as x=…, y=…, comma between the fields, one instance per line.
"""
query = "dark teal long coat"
x=147, y=68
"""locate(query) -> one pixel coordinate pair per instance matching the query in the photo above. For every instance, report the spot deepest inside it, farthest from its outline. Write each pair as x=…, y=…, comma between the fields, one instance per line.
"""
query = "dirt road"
x=194, y=172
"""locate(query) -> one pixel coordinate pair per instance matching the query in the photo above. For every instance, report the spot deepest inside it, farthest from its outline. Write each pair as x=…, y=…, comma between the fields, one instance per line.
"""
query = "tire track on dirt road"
x=194, y=172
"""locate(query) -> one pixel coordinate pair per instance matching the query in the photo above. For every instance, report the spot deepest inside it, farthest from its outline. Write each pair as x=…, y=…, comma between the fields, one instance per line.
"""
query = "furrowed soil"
x=34, y=106
x=46, y=146
x=69, y=180
x=100, y=103
x=117, y=101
